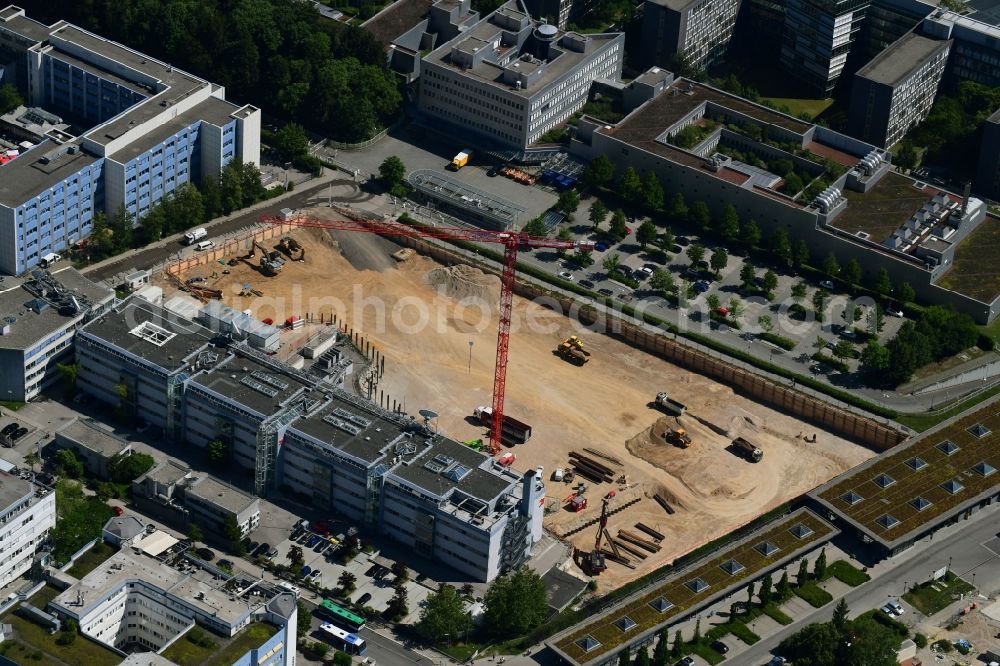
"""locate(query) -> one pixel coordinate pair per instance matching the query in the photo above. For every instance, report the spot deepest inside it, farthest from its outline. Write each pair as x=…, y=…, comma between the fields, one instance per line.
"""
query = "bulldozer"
x=678, y=437
x=271, y=262
x=572, y=350
x=291, y=247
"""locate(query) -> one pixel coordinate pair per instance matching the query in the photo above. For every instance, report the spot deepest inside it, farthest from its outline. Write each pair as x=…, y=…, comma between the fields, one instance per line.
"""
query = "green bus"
x=340, y=616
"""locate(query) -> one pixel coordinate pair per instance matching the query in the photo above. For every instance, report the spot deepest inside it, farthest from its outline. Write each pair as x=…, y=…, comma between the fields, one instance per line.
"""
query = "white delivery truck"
x=195, y=235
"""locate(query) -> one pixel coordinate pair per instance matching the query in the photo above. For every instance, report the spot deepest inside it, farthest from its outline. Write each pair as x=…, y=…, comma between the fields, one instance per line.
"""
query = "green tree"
x=843, y=349
x=713, y=302
x=641, y=656
x=830, y=265
x=630, y=187
x=217, y=452
x=291, y=141
x=729, y=223
x=400, y=570
x=750, y=593
x=652, y=192
x=69, y=372
x=840, y=620
x=231, y=531
x=815, y=645
x=700, y=216
x=296, y=556
x=803, y=576
x=624, y=658
x=736, y=308
x=793, y=184
x=906, y=293
x=696, y=253
x=663, y=282
x=783, y=589
x=398, y=606
x=536, y=227
x=339, y=658
x=883, y=284
x=598, y=213
x=678, y=211
x=907, y=156
x=852, y=273
x=718, y=261
x=677, y=648
x=770, y=283
x=611, y=263
x=819, y=566
x=646, y=233
x=10, y=99
x=347, y=582
x=617, y=230
x=515, y=603
x=667, y=239
x=781, y=246
x=748, y=275
x=599, y=172
x=696, y=637
x=124, y=468
x=750, y=234
x=392, y=172
x=32, y=459
x=661, y=653
x=194, y=533
x=874, y=364
x=444, y=614
x=564, y=234
x=568, y=202
x=766, y=323
x=79, y=519
x=801, y=255
x=766, y=590
x=67, y=464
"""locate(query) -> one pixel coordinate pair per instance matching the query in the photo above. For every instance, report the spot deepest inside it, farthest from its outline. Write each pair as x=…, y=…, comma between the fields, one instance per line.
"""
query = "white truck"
x=195, y=235
x=669, y=405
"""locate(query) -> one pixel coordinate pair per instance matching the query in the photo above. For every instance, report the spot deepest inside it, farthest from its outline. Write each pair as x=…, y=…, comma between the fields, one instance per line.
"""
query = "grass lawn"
x=816, y=596
x=42, y=598
x=971, y=272
x=706, y=653
x=253, y=636
x=11, y=405
x=928, y=600
x=82, y=651
x=846, y=573
x=459, y=653
x=776, y=614
x=948, y=363
x=813, y=107
x=185, y=653
x=90, y=560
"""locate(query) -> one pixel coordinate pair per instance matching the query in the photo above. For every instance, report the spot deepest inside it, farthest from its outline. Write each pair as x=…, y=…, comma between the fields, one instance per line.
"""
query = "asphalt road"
x=164, y=250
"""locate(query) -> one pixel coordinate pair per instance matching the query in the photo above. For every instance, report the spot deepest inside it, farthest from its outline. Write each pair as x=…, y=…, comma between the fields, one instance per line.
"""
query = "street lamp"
x=471, y=343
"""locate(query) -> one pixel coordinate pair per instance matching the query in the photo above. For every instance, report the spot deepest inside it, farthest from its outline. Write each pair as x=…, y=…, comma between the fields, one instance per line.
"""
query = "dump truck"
x=292, y=247
x=678, y=437
x=461, y=159
x=572, y=350
x=512, y=432
x=747, y=450
x=669, y=405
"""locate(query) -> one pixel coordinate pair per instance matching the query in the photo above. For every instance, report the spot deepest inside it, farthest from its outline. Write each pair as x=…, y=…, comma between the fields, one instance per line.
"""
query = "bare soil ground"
x=426, y=319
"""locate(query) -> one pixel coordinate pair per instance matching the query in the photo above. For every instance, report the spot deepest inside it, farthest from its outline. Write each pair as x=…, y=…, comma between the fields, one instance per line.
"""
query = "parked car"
x=719, y=647
x=682, y=241
x=625, y=270
x=601, y=246
x=18, y=434
x=315, y=575
x=273, y=553
x=313, y=540
x=604, y=291
x=205, y=554
x=893, y=313
x=827, y=284
x=322, y=545
x=566, y=275
x=306, y=570
x=587, y=283
x=9, y=429
x=226, y=563
x=363, y=599
x=893, y=608
x=777, y=661
x=686, y=661
x=701, y=286
x=261, y=549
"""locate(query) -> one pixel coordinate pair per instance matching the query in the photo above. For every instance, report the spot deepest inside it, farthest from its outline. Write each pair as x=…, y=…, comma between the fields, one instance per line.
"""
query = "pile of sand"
x=465, y=283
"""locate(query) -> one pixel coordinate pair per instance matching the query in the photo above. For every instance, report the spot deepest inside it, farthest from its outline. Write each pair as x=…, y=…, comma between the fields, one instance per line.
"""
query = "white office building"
x=29, y=513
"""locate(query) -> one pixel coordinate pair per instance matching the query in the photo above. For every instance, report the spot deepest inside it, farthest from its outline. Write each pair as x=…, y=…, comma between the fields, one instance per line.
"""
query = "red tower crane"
x=512, y=241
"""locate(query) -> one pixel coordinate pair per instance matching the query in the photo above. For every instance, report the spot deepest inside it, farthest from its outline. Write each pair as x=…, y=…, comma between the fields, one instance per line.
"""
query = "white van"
x=49, y=259
x=205, y=245
x=195, y=235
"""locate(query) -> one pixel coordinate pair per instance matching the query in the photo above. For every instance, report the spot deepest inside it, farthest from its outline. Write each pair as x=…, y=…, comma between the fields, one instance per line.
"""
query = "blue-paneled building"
x=153, y=127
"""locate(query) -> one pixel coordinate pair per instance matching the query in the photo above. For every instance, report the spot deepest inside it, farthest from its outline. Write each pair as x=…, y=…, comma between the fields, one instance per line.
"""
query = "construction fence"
x=879, y=436
x=229, y=247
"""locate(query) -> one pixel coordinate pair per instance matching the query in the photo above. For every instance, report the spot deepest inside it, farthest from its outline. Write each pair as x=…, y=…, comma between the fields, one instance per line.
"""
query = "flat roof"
x=926, y=480
x=33, y=172
x=124, y=566
x=882, y=209
x=255, y=385
x=30, y=327
x=679, y=595
x=186, y=337
x=12, y=20
x=213, y=110
x=93, y=437
x=396, y=20
x=368, y=444
x=212, y=491
x=167, y=473
x=13, y=489
x=483, y=484
x=973, y=267
x=904, y=56
x=485, y=33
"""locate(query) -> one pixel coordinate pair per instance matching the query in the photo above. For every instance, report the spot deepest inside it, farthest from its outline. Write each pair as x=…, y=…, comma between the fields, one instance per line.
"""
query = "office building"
x=39, y=316
x=817, y=39
x=916, y=239
x=29, y=512
x=297, y=431
x=92, y=444
x=509, y=79
x=896, y=90
x=975, y=54
x=151, y=128
x=212, y=504
x=988, y=168
x=887, y=21
x=136, y=602
x=696, y=32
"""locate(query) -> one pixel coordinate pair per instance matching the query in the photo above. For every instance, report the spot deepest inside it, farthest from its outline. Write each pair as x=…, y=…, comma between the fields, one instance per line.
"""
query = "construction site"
x=677, y=459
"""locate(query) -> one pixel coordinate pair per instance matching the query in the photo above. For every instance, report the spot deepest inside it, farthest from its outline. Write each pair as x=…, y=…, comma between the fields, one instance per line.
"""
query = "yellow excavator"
x=678, y=437
x=572, y=350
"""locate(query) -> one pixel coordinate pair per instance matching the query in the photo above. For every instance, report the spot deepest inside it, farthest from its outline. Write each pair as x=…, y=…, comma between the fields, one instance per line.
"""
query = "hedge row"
x=784, y=343
x=816, y=596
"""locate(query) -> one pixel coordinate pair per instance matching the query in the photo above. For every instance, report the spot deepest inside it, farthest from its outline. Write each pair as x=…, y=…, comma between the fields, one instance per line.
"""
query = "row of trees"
x=514, y=605
x=281, y=56
x=843, y=642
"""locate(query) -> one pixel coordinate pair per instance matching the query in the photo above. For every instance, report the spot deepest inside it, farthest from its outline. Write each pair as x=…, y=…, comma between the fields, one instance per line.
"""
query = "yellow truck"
x=461, y=159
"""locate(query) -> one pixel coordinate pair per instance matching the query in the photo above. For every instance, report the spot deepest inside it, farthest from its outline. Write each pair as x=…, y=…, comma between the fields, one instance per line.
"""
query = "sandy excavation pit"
x=409, y=313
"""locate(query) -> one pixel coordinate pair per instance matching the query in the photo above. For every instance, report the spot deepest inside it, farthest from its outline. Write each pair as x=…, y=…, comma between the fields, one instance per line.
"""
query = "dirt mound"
x=465, y=283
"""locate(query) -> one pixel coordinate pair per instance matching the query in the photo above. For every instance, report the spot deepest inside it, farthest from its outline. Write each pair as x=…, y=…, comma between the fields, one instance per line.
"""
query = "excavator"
x=572, y=350
x=678, y=437
x=291, y=247
x=271, y=262
x=593, y=563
